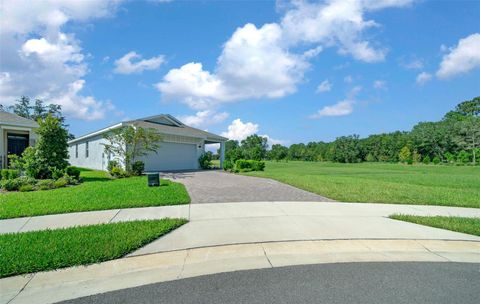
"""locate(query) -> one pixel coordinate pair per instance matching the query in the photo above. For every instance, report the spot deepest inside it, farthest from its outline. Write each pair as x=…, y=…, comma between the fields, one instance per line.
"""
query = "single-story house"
x=180, y=148
x=16, y=134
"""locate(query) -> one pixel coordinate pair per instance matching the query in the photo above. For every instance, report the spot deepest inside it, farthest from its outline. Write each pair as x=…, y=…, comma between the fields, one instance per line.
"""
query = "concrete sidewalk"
x=233, y=223
x=74, y=282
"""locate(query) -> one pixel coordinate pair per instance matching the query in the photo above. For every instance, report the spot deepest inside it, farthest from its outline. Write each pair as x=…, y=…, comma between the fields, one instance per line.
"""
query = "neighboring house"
x=180, y=148
x=16, y=134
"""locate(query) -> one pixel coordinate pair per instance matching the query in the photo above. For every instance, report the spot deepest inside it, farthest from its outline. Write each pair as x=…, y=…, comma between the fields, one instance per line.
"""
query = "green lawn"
x=97, y=192
x=52, y=249
x=382, y=183
x=459, y=224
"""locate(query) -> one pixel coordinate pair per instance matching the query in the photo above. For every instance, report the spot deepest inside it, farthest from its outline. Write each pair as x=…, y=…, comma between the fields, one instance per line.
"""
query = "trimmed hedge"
x=9, y=174
x=246, y=165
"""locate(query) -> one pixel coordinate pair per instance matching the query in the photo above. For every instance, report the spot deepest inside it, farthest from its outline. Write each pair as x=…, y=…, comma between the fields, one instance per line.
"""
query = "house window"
x=76, y=151
x=86, y=149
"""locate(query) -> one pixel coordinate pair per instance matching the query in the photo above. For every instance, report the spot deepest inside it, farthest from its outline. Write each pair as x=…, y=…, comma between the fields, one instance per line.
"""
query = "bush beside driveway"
x=97, y=192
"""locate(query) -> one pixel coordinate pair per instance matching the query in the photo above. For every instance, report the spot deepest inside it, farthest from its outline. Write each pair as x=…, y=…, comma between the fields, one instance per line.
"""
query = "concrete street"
x=75, y=282
x=243, y=236
x=383, y=283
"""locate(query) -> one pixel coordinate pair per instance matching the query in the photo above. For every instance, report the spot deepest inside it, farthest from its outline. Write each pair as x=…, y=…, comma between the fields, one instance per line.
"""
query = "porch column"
x=222, y=154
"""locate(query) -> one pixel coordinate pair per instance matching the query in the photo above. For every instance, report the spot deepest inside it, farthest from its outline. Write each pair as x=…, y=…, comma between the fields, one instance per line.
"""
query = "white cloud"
x=341, y=108
x=462, y=58
x=253, y=64
x=325, y=86
x=262, y=62
x=41, y=60
x=336, y=23
x=126, y=64
x=423, y=78
x=203, y=119
x=238, y=130
x=273, y=141
x=82, y=107
x=380, y=84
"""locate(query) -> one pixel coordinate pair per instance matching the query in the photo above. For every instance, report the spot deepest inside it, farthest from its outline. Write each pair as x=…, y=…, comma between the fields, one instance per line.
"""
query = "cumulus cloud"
x=253, y=64
x=261, y=62
x=423, y=78
x=325, y=86
x=132, y=63
x=202, y=119
x=41, y=61
x=341, y=108
x=462, y=58
x=238, y=130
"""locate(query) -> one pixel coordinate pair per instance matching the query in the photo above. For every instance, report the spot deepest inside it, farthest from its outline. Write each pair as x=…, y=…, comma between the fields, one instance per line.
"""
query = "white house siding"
x=96, y=158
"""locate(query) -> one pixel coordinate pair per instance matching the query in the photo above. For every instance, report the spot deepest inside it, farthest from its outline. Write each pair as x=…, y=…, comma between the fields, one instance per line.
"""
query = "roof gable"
x=7, y=118
x=162, y=119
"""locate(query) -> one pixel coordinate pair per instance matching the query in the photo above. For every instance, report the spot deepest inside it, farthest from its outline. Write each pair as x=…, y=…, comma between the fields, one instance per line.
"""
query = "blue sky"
x=293, y=71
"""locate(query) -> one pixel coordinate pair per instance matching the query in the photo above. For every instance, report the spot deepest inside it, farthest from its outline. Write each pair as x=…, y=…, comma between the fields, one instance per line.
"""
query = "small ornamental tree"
x=128, y=143
x=51, y=151
x=405, y=155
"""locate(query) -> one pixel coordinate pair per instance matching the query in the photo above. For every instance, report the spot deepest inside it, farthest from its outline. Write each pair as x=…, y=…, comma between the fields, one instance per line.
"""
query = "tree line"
x=453, y=139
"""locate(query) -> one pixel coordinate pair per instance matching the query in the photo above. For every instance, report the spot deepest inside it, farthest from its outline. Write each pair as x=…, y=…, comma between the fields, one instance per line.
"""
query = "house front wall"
x=5, y=130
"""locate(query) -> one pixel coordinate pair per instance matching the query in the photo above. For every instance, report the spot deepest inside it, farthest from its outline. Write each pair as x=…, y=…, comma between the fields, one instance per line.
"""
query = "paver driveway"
x=217, y=186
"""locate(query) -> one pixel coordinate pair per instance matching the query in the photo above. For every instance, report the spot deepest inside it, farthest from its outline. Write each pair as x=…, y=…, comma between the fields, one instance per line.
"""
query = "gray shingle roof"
x=11, y=119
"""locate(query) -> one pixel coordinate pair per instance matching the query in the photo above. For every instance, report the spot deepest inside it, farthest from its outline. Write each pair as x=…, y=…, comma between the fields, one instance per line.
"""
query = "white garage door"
x=172, y=156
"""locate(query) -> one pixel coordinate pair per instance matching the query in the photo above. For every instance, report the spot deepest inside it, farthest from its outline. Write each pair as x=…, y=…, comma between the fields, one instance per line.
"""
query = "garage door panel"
x=172, y=156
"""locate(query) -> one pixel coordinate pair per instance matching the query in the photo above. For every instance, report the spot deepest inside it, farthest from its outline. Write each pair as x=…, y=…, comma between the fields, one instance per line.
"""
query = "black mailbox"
x=153, y=179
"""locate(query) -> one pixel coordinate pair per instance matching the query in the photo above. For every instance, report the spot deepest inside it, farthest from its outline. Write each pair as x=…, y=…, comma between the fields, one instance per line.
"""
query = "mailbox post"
x=153, y=179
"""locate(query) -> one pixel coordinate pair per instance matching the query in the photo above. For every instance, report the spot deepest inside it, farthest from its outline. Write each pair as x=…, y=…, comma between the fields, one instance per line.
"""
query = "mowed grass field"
x=97, y=192
x=382, y=183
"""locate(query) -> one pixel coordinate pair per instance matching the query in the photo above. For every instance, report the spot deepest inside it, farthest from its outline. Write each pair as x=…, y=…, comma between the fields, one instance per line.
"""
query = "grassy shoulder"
x=52, y=249
x=459, y=224
x=97, y=192
x=382, y=182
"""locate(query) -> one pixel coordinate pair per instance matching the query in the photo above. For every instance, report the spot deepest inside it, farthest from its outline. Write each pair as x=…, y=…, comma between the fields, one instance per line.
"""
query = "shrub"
x=73, y=172
x=60, y=183
x=436, y=160
x=228, y=165
x=138, y=167
x=450, y=158
x=243, y=165
x=426, y=160
x=410, y=161
x=26, y=180
x=10, y=184
x=57, y=173
x=118, y=172
x=370, y=157
x=112, y=164
x=26, y=188
x=205, y=160
x=45, y=184
x=463, y=157
x=71, y=180
x=8, y=174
